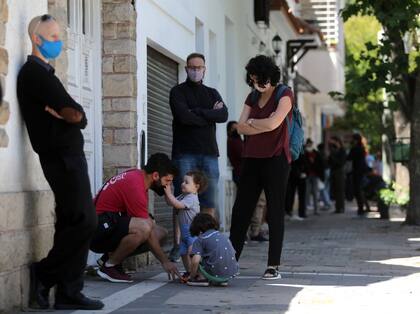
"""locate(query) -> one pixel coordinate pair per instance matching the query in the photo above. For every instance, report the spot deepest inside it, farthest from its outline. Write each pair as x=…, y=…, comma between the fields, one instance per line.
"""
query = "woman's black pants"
x=270, y=175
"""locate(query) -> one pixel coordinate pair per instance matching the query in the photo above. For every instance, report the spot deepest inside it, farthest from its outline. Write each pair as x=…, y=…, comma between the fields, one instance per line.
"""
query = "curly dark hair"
x=264, y=69
x=201, y=223
x=200, y=179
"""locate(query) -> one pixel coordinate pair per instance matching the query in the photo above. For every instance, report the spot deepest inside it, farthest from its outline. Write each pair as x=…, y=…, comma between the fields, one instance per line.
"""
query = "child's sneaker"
x=271, y=273
x=220, y=284
x=198, y=282
x=184, y=277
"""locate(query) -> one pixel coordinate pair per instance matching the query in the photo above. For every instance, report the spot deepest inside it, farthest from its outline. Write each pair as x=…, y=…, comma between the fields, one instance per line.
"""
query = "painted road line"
x=322, y=274
x=128, y=295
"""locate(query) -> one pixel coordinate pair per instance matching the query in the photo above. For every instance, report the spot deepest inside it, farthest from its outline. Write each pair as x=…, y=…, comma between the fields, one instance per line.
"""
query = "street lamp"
x=276, y=44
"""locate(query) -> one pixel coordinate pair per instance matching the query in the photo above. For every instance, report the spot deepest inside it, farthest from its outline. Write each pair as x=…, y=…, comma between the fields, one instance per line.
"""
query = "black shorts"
x=112, y=228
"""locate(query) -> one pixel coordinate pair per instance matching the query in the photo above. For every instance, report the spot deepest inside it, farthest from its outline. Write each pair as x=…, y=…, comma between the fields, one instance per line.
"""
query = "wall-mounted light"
x=276, y=44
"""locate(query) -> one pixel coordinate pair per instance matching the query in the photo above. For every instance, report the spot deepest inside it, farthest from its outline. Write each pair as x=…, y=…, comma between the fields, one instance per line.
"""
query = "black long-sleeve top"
x=358, y=157
x=194, y=119
x=38, y=87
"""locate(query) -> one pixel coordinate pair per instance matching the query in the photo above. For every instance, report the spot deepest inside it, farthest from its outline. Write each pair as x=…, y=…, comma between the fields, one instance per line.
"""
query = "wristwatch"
x=250, y=121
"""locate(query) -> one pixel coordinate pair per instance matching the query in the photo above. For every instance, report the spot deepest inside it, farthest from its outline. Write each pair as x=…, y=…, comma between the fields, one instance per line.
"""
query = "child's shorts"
x=186, y=239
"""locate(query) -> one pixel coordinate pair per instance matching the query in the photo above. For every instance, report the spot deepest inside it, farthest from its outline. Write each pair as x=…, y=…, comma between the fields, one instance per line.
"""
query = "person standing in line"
x=297, y=180
x=378, y=166
x=235, y=147
x=324, y=193
x=314, y=174
x=337, y=161
x=357, y=156
x=54, y=121
x=196, y=108
x=267, y=158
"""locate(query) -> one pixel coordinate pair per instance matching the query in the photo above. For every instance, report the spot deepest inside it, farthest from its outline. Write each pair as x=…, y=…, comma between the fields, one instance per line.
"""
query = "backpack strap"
x=255, y=95
x=279, y=95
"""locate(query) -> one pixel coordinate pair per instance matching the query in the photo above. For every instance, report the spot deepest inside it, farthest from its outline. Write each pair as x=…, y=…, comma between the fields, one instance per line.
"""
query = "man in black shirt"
x=196, y=109
x=54, y=122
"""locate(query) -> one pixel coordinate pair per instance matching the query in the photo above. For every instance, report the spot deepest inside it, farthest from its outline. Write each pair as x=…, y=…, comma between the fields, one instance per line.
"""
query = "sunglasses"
x=44, y=18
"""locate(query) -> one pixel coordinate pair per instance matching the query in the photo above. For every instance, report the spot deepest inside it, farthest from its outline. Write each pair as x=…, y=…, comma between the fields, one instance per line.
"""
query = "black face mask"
x=158, y=188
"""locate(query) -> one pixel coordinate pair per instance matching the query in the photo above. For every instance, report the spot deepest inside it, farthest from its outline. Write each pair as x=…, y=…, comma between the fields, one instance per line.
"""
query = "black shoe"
x=77, y=302
x=259, y=238
x=38, y=293
x=102, y=260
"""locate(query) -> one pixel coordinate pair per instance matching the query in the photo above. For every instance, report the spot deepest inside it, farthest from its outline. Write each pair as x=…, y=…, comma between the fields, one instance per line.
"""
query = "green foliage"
x=385, y=64
x=364, y=106
x=395, y=195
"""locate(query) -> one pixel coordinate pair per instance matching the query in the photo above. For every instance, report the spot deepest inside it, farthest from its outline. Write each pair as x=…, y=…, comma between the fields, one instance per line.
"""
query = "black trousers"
x=299, y=184
x=270, y=175
x=338, y=189
x=358, y=192
x=74, y=226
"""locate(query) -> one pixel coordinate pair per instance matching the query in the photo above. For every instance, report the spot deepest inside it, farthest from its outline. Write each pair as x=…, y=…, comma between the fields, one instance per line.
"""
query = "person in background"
x=378, y=166
x=235, y=146
x=297, y=181
x=315, y=172
x=357, y=156
x=337, y=161
x=196, y=109
x=324, y=193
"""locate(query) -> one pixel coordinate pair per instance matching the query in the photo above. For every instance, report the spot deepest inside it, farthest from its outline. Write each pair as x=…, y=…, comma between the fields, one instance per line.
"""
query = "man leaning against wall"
x=54, y=122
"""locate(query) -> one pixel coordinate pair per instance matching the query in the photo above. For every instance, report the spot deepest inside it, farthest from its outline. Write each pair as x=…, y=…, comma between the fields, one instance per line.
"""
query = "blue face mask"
x=50, y=49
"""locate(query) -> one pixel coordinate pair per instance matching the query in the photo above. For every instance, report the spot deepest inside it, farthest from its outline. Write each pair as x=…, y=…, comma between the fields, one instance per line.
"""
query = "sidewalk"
x=331, y=264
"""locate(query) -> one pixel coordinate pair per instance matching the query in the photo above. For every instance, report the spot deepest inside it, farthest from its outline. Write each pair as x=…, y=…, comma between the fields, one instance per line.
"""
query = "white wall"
x=177, y=28
x=20, y=169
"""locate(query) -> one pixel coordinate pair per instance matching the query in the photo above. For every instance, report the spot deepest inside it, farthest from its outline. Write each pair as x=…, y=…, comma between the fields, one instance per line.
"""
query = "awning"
x=303, y=85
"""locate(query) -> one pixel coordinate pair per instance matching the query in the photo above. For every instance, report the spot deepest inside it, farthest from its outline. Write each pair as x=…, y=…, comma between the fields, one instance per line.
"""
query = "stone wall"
x=26, y=230
x=4, y=62
x=119, y=85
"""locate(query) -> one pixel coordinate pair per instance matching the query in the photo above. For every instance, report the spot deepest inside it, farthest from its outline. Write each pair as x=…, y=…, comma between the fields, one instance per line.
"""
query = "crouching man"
x=124, y=225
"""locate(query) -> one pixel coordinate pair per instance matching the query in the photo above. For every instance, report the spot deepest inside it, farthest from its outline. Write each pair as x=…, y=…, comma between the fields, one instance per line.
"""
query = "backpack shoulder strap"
x=279, y=94
x=255, y=95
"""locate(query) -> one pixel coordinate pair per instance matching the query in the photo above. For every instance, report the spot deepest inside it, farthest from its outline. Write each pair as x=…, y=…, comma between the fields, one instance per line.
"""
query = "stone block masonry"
x=119, y=67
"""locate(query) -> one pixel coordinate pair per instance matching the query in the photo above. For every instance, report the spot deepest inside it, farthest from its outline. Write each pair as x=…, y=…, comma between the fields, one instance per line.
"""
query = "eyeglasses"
x=47, y=17
x=196, y=68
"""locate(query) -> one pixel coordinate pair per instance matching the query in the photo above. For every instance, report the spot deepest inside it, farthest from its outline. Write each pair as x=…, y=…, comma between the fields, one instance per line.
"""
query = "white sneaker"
x=296, y=218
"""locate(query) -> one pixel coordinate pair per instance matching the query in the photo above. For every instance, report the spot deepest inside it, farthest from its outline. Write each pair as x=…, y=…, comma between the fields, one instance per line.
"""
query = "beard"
x=158, y=188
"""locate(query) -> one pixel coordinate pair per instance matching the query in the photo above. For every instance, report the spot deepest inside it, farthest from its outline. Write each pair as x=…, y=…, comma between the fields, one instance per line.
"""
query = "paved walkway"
x=331, y=264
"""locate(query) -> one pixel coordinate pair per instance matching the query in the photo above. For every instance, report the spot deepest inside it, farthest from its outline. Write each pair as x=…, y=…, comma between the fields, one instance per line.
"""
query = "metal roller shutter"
x=162, y=75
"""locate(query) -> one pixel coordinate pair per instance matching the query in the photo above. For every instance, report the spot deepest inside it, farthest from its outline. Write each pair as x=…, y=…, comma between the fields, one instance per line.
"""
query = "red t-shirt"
x=125, y=193
x=268, y=144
